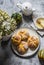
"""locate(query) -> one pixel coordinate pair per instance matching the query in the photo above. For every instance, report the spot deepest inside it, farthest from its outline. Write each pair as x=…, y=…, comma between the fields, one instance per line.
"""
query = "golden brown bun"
x=25, y=44
x=24, y=35
x=22, y=48
x=33, y=42
x=16, y=39
x=21, y=32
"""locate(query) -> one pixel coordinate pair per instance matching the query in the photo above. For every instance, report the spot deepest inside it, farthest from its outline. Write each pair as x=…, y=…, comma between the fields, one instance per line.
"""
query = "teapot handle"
x=19, y=5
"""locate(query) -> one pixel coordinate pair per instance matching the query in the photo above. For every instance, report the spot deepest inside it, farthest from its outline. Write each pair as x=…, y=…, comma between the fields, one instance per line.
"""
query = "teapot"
x=26, y=8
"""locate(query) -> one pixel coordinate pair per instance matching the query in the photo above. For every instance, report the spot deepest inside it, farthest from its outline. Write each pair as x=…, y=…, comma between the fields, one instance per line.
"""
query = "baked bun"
x=22, y=48
x=24, y=35
x=21, y=32
x=16, y=39
x=33, y=42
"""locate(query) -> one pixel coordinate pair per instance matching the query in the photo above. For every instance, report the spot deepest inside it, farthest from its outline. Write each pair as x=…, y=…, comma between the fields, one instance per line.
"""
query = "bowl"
x=38, y=26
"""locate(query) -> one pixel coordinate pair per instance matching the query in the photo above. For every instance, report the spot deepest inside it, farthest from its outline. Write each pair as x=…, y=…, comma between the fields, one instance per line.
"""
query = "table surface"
x=7, y=57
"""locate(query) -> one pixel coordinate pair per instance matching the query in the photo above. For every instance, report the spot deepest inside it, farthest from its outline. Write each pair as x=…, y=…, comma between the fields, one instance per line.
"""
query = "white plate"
x=29, y=52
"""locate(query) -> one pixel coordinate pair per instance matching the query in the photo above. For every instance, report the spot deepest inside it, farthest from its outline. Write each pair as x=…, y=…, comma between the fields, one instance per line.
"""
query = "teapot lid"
x=27, y=5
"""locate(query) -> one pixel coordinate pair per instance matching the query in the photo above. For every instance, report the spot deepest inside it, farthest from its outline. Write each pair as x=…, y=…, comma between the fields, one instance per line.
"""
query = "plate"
x=29, y=52
x=37, y=25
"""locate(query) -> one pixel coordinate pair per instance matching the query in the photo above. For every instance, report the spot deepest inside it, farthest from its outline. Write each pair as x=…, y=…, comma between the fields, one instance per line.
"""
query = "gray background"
x=7, y=57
